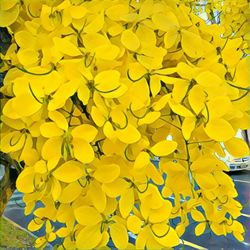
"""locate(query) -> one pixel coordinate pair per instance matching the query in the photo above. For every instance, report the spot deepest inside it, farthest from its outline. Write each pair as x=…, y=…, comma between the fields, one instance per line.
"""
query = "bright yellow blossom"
x=95, y=91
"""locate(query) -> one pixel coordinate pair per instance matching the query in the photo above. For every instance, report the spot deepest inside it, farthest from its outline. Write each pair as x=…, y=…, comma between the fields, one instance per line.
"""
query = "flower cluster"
x=95, y=91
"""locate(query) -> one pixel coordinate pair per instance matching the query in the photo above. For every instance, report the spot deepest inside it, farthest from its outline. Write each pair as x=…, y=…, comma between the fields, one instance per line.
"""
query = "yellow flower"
x=96, y=91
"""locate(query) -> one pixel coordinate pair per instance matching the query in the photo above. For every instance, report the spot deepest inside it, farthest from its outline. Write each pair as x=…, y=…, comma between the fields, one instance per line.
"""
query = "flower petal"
x=69, y=171
x=82, y=150
x=7, y=17
x=89, y=237
x=237, y=147
x=119, y=235
x=107, y=173
x=85, y=131
x=130, y=40
x=164, y=148
x=86, y=215
x=128, y=135
x=219, y=129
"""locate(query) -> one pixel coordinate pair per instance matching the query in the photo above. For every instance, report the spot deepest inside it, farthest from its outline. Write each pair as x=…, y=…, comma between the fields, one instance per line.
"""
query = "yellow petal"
x=242, y=73
x=238, y=236
x=180, y=90
x=114, y=93
x=188, y=126
x=238, y=227
x=130, y=40
x=115, y=29
x=142, y=160
x=83, y=150
x=172, y=168
x=219, y=106
x=139, y=95
x=151, y=57
x=50, y=129
x=107, y=173
x=26, y=105
x=161, y=214
x=203, y=164
x=115, y=12
x=7, y=4
x=119, y=118
x=180, y=229
x=104, y=242
x=191, y=44
x=25, y=180
x=164, y=148
x=70, y=192
x=136, y=71
x=161, y=103
x=52, y=148
x=86, y=215
x=208, y=79
x=186, y=71
x=35, y=224
x=165, y=22
x=155, y=85
x=78, y=12
x=40, y=167
x=62, y=232
x=126, y=202
x=134, y=224
x=237, y=147
x=97, y=116
x=197, y=215
x=108, y=130
x=62, y=94
x=25, y=39
x=66, y=47
x=83, y=94
x=154, y=174
x=200, y=228
x=59, y=119
x=97, y=196
x=128, y=135
x=89, y=237
x=29, y=156
x=180, y=109
x=196, y=98
x=40, y=242
x=95, y=25
x=119, y=235
x=151, y=117
x=69, y=171
x=9, y=109
x=12, y=142
x=55, y=189
x=85, y=131
x=107, y=80
x=7, y=17
x=107, y=52
x=219, y=130
x=206, y=181
x=27, y=57
x=146, y=35
x=171, y=238
x=94, y=40
x=142, y=237
x=115, y=188
x=171, y=37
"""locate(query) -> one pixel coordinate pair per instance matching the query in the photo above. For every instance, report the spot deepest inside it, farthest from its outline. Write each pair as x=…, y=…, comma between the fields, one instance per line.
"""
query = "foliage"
x=97, y=90
x=12, y=237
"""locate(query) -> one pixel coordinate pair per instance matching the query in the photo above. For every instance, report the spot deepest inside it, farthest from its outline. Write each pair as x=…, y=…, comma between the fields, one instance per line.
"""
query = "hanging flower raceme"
x=97, y=91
